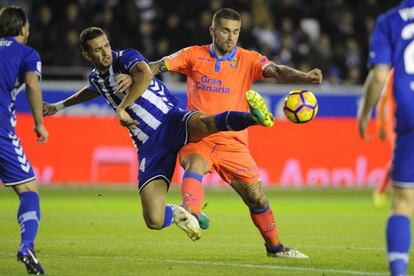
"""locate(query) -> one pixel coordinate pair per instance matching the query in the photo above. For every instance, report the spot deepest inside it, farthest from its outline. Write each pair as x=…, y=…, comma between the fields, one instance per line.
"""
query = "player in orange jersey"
x=385, y=126
x=218, y=76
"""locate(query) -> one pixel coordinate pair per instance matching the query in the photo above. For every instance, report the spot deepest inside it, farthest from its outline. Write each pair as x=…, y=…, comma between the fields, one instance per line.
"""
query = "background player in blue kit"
x=158, y=128
x=392, y=45
x=20, y=64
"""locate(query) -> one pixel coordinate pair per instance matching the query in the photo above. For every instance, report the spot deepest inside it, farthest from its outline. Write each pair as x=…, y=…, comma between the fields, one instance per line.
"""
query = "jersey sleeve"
x=179, y=61
x=32, y=63
x=128, y=58
x=259, y=63
x=380, y=47
x=91, y=86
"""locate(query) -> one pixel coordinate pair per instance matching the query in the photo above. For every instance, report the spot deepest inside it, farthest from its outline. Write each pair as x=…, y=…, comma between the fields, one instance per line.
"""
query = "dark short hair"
x=89, y=34
x=225, y=13
x=12, y=20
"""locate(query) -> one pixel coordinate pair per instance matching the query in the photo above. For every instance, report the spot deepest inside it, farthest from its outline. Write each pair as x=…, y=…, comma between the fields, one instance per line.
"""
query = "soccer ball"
x=300, y=106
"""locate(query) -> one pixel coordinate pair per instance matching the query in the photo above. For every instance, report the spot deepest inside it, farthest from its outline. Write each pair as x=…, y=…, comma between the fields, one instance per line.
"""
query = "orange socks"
x=265, y=222
x=192, y=192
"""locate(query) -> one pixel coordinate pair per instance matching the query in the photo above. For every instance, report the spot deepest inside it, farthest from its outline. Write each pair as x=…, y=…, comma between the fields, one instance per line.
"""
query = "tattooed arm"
x=286, y=74
x=158, y=67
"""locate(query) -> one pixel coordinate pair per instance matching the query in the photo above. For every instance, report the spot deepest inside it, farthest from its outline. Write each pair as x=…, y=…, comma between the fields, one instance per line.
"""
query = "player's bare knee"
x=27, y=187
x=402, y=207
x=257, y=200
x=195, y=163
x=153, y=222
x=253, y=196
x=403, y=202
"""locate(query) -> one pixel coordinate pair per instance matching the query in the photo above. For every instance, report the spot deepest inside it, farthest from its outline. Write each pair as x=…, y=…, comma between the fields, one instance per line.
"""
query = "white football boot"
x=187, y=222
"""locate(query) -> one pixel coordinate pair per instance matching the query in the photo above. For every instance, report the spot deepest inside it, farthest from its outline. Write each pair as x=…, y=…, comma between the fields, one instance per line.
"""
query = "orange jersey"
x=217, y=85
x=386, y=108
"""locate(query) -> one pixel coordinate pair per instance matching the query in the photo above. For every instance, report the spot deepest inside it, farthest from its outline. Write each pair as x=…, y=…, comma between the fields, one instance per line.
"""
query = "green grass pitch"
x=100, y=231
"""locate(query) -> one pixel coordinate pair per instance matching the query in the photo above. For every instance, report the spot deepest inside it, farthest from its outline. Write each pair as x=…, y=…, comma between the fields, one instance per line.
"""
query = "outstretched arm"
x=372, y=91
x=81, y=96
x=286, y=74
x=34, y=96
x=158, y=67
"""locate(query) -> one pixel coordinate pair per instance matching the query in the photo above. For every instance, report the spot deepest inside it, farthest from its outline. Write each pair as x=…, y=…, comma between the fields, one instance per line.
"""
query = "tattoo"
x=285, y=74
x=270, y=71
x=158, y=66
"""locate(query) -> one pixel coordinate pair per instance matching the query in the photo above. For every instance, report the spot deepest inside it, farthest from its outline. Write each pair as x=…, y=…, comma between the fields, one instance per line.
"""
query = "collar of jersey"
x=228, y=56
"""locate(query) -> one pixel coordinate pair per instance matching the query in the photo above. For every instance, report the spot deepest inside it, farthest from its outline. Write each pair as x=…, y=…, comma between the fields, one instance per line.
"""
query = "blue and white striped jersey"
x=150, y=110
x=16, y=59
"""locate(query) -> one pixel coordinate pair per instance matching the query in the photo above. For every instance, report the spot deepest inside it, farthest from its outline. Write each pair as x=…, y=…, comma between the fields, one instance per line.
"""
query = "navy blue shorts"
x=157, y=157
x=403, y=161
x=15, y=169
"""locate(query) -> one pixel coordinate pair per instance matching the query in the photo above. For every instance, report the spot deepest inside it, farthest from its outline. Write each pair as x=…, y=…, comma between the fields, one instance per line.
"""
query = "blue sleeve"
x=31, y=63
x=91, y=87
x=128, y=58
x=380, y=44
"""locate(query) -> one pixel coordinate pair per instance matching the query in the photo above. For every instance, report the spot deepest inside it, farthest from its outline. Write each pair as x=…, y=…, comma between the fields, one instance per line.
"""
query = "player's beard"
x=222, y=49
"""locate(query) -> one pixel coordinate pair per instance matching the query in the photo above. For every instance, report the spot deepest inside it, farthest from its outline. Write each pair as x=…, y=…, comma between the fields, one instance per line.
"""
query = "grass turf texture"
x=100, y=231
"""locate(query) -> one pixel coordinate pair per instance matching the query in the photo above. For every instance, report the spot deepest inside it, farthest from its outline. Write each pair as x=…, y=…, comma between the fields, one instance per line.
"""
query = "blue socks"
x=398, y=244
x=28, y=217
x=169, y=216
x=234, y=120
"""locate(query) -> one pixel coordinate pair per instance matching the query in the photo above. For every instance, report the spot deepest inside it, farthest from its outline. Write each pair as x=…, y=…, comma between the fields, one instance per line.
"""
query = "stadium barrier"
x=87, y=146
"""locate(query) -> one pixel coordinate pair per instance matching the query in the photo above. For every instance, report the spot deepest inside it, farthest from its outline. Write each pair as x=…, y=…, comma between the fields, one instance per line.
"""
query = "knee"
x=153, y=223
x=256, y=200
x=27, y=187
x=195, y=164
x=402, y=207
x=403, y=202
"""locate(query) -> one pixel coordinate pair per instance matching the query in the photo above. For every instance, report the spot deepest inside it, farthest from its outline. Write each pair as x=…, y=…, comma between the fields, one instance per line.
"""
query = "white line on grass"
x=207, y=263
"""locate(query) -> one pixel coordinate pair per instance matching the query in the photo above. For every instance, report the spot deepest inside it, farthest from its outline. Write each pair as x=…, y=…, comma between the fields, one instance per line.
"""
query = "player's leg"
x=262, y=216
x=398, y=231
x=201, y=125
x=238, y=168
x=158, y=215
x=195, y=165
x=16, y=172
x=28, y=217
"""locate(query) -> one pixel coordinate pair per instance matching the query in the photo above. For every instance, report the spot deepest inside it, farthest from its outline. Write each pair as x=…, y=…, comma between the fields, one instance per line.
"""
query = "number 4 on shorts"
x=142, y=165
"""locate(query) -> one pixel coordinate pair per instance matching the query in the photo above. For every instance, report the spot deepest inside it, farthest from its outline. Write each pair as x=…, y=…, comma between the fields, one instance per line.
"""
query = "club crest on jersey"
x=233, y=63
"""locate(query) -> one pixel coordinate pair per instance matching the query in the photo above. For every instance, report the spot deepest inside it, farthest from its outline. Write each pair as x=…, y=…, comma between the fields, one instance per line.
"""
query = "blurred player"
x=385, y=126
x=157, y=128
x=218, y=75
x=392, y=45
x=20, y=64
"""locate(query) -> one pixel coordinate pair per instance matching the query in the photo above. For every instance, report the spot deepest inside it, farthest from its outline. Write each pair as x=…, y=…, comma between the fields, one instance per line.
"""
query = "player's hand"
x=315, y=76
x=49, y=109
x=362, y=127
x=123, y=82
x=41, y=133
x=125, y=119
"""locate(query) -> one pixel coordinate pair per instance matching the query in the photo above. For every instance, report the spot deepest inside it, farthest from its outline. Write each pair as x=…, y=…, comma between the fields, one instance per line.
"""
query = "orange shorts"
x=232, y=162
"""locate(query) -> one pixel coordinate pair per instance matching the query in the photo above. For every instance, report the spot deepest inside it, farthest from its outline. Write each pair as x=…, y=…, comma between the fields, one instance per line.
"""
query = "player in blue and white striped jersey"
x=20, y=64
x=158, y=128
